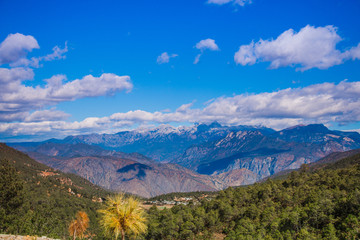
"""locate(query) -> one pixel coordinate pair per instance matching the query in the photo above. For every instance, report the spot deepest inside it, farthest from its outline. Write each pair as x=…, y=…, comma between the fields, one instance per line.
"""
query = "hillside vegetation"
x=309, y=204
x=38, y=200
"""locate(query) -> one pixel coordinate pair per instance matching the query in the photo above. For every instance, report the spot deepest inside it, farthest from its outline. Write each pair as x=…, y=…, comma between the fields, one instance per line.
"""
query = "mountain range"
x=196, y=158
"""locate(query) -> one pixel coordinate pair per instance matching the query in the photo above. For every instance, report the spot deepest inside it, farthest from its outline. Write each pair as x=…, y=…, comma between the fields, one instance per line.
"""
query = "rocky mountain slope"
x=333, y=159
x=145, y=180
x=267, y=154
x=132, y=173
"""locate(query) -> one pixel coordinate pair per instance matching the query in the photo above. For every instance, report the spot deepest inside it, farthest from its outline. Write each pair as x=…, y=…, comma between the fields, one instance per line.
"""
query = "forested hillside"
x=40, y=201
x=309, y=204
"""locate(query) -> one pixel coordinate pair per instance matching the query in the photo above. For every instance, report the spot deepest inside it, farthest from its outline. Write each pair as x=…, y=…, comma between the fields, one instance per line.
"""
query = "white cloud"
x=219, y=2
x=326, y=103
x=165, y=58
x=311, y=47
x=206, y=44
x=46, y=115
x=57, y=54
x=88, y=86
x=353, y=53
x=15, y=47
x=246, y=55
x=197, y=58
x=235, y=2
x=14, y=75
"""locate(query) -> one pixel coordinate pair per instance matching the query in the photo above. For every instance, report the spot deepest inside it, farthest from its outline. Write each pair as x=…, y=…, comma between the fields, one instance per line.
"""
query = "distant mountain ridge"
x=66, y=150
x=267, y=154
x=164, y=143
x=212, y=156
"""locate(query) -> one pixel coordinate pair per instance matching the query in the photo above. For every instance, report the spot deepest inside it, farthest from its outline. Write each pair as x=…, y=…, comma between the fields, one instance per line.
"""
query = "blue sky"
x=271, y=63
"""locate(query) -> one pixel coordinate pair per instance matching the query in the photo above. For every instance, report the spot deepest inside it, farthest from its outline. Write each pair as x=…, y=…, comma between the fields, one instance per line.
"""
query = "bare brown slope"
x=146, y=180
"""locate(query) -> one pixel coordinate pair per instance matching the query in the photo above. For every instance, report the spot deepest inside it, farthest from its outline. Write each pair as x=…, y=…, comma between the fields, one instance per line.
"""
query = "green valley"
x=319, y=201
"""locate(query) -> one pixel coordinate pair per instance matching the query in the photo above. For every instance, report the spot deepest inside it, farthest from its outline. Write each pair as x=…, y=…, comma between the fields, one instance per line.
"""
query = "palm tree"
x=79, y=225
x=122, y=216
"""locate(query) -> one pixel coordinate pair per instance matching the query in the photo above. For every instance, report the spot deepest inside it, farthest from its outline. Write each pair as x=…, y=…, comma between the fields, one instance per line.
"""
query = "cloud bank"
x=319, y=103
x=20, y=102
x=311, y=47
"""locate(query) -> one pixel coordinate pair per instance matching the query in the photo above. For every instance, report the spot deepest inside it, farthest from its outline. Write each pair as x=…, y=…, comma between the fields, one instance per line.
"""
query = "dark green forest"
x=315, y=202
x=318, y=203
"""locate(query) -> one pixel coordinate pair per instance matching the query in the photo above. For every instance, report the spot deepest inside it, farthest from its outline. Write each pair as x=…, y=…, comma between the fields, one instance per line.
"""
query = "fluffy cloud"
x=311, y=47
x=353, y=53
x=320, y=103
x=236, y=2
x=15, y=47
x=15, y=97
x=165, y=58
x=206, y=44
x=88, y=86
x=14, y=50
x=17, y=100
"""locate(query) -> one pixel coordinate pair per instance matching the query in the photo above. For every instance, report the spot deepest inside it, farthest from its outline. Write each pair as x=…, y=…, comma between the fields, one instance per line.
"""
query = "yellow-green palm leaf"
x=122, y=216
